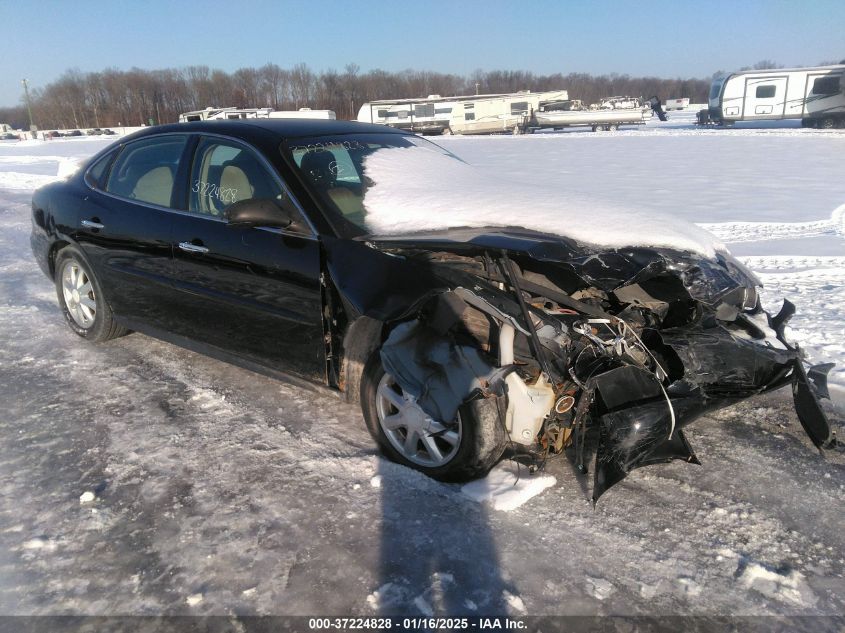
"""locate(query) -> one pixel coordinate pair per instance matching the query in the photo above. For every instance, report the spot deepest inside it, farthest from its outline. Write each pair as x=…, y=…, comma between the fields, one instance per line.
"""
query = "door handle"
x=92, y=225
x=192, y=248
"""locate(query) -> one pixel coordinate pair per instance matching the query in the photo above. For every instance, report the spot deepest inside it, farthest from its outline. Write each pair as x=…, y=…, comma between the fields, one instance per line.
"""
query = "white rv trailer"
x=254, y=113
x=302, y=113
x=816, y=96
x=470, y=114
x=426, y=116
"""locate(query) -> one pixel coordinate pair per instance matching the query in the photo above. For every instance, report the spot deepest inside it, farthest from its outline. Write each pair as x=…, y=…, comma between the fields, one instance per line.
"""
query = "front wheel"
x=459, y=450
x=81, y=298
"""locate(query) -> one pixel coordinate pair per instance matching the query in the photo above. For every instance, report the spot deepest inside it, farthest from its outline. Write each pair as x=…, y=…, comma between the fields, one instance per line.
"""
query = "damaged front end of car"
x=634, y=343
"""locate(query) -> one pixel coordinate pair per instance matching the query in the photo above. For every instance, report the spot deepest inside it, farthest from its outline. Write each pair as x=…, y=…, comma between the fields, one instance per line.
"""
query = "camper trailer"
x=254, y=113
x=816, y=96
x=471, y=114
x=424, y=116
x=490, y=114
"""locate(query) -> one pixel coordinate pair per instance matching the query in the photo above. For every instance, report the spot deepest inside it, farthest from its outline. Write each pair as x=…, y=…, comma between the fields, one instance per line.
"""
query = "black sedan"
x=249, y=241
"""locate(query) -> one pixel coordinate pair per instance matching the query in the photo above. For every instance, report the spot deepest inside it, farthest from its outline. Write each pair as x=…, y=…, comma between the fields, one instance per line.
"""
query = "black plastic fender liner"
x=433, y=369
x=806, y=396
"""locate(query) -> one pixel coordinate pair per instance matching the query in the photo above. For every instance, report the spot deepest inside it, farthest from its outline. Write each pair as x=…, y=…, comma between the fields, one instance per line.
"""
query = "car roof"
x=279, y=128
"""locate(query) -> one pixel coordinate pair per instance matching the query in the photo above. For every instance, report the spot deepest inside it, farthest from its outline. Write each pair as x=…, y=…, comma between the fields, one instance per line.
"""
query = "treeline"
x=135, y=97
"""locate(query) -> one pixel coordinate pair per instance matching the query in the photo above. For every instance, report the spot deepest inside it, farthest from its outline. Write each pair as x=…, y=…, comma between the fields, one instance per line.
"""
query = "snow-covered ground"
x=140, y=478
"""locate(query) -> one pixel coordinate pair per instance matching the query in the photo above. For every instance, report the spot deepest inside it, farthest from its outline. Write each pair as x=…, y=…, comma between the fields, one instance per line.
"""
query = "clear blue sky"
x=40, y=40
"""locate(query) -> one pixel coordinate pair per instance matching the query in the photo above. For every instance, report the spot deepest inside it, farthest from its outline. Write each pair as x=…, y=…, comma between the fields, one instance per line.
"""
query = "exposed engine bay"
x=631, y=344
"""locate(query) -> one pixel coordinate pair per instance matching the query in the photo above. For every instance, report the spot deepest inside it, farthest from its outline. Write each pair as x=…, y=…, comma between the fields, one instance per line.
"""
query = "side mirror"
x=258, y=212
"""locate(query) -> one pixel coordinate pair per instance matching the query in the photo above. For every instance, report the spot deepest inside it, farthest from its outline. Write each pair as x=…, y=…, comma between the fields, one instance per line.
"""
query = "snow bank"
x=17, y=181
x=507, y=486
x=418, y=190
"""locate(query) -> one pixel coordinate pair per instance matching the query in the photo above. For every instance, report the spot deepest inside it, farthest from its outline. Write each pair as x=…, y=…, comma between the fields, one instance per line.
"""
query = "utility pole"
x=28, y=108
x=476, y=87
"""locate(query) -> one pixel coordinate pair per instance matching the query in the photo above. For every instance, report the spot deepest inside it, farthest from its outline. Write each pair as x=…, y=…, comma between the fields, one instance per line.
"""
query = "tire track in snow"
x=737, y=232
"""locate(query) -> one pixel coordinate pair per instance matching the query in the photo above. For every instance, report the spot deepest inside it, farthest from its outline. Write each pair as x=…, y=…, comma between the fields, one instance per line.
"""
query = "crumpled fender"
x=377, y=284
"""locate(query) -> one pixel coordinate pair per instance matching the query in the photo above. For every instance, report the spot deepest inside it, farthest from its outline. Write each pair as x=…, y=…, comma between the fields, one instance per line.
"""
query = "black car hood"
x=377, y=274
x=605, y=268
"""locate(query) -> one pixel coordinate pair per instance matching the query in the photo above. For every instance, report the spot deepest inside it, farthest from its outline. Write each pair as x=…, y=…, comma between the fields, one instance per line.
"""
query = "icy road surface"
x=139, y=478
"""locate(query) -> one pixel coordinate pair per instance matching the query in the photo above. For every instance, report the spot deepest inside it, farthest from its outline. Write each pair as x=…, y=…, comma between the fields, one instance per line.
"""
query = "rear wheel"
x=459, y=450
x=827, y=123
x=81, y=298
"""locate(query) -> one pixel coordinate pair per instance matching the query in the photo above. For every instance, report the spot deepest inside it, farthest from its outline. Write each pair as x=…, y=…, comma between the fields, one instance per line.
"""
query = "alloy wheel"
x=418, y=437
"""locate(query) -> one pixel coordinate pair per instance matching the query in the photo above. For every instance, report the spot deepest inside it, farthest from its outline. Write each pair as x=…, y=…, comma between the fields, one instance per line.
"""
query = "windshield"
x=334, y=169
x=394, y=184
x=716, y=88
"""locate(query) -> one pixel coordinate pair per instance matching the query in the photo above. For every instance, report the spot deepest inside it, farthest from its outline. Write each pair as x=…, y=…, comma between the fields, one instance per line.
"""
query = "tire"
x=612, y=127
x=476, y=440
x=827, y=123
x=447, y=131
x=85, y=309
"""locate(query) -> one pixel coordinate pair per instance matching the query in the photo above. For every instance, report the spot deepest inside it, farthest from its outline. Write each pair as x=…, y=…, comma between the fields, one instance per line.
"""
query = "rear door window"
x=146, y=170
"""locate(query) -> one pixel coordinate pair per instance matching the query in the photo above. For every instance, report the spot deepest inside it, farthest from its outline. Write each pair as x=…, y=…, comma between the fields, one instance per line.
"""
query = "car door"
x=125, y=225
x=252, y=291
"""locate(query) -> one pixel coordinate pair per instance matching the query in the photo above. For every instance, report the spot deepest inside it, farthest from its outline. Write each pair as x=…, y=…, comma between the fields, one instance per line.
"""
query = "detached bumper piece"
x=639, y=427
x=640, y=432
x=807, y=388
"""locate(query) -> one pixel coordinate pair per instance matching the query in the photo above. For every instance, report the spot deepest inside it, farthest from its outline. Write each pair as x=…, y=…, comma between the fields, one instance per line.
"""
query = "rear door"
x=765, y=97
x=125, y=225
x=251, y=291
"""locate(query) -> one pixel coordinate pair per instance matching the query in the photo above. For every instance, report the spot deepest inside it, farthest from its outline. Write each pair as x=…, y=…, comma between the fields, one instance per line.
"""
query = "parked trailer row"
x=816, y=96
x=468, y=114
x=500, y=113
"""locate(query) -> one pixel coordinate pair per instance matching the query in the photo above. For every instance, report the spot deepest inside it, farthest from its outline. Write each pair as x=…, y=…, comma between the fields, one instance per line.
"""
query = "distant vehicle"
x=93, y=132
x=676, y=104
x=250, y=240
x=815, y=95
x=109, y=132
x=468, y=114
x=8, y=136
